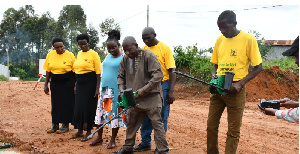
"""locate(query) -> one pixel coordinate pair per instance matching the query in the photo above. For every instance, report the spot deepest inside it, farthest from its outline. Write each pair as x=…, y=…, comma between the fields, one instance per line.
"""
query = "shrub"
x=286, y=64
x=202, y=68
x=190, y=58
x=3, y=78
x=18, y=72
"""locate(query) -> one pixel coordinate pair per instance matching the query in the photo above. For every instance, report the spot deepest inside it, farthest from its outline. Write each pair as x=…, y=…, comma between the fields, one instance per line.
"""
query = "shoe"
x=95, y=142
x=122, y=151
x=110, y=146
x=76, y=135
x=64, y=128
x=141, y=148
x=156, y=151
x=53, y=128
x=85, y=137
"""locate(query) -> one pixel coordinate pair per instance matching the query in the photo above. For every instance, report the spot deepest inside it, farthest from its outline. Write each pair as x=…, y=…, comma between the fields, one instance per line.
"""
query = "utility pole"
x=147, y=15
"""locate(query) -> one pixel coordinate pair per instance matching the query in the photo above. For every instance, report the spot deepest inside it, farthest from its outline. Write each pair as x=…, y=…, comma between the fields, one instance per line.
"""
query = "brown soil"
x=26, y=115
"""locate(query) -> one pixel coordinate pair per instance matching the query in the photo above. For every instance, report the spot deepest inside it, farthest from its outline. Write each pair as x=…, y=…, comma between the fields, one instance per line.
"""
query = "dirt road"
x=25, y=117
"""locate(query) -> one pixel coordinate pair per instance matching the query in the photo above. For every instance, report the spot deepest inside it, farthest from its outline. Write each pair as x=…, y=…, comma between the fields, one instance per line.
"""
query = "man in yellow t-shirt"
x=233, y=52
x=165, y=57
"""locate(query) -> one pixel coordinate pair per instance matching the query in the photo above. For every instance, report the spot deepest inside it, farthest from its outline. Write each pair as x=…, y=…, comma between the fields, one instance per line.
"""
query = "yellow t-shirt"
x=234, y=54
x=165, y=57
x=59, y=63
x=87, y=62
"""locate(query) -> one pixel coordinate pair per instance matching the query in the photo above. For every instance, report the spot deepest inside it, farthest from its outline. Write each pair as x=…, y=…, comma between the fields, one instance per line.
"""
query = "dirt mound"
x=273, y=84
x=269, y=84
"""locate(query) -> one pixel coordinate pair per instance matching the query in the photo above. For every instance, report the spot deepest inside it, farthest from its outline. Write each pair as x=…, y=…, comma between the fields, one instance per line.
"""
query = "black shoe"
x=157, y=152
x=122, y=151
x=53, y=128
x=141, y=148
x=64, y=128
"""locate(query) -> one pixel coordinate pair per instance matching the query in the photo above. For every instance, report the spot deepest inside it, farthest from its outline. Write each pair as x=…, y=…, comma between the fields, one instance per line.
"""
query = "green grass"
x=285, y=64
x=3, y=78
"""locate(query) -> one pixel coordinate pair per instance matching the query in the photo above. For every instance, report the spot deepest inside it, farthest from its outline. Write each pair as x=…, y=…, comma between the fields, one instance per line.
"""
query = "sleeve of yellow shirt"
x=169, y=61
x=73, y=60
x=46, y=63
x=214, y=57
x=253, y=52
x=97, y=63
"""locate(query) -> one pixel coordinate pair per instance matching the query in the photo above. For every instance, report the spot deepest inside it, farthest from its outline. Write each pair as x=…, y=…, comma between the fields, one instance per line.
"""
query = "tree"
x=93, y=35
x=12, y=33
x=73, y=21
x=264, y=48
x=106, y=26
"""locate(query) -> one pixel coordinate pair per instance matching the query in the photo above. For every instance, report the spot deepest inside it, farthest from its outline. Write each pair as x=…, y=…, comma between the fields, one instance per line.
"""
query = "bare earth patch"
x=26, y=115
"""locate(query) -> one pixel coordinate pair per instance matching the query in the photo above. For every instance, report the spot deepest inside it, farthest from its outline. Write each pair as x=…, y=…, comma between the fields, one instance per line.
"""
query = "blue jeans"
x=146, y=128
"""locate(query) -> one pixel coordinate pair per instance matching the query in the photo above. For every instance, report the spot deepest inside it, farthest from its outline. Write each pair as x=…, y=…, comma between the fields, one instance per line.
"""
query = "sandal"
x=85, y=137
x=111, y=146
x=95, y=142
x=76, y=135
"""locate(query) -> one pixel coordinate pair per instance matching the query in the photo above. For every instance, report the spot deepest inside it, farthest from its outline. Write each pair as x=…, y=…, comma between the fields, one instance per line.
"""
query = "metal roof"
x=278, y=42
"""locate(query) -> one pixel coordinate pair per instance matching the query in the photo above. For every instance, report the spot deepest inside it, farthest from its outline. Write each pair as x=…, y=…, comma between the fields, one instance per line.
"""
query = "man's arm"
x=121, y=77
x=270, y=111
x=170, y=95
x=154, y=68
x=236, y=87
x=215, y=68
x=287, y=103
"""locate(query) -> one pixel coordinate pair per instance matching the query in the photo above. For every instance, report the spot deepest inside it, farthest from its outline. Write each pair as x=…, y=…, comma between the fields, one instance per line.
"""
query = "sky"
x=181, y=22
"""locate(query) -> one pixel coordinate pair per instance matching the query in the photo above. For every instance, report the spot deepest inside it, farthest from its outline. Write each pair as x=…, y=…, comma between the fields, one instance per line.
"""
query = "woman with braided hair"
x=107, y=104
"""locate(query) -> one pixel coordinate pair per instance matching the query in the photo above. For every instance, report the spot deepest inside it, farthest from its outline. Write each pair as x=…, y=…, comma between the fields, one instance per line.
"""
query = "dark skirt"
x=85, y=102
x=62, y=97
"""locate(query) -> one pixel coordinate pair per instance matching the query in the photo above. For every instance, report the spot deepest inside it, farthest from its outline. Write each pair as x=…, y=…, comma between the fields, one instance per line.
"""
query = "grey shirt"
x=144, y=72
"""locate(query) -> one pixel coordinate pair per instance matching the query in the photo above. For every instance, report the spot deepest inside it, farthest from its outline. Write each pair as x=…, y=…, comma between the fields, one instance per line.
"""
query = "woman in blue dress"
x=107, y=104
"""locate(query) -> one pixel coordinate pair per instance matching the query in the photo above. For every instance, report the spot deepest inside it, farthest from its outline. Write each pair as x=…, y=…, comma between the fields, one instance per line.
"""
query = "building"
x=279, y=47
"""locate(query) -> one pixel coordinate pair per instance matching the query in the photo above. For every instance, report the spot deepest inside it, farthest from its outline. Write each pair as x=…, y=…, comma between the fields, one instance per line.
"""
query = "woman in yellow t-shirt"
x=87, y=69
x=59, y=67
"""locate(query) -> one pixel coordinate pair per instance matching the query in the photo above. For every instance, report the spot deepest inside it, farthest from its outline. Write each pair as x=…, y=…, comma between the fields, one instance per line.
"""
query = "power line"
x=183, y=12
x=131, y=17
x=246, y=9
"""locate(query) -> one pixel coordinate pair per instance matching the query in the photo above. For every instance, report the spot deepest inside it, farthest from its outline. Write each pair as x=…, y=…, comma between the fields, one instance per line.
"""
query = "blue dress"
x=107, y=103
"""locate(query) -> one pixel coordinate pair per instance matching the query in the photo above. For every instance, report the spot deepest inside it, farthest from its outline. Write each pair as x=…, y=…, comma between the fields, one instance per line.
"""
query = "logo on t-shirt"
x=157, y=56
x=233, y=53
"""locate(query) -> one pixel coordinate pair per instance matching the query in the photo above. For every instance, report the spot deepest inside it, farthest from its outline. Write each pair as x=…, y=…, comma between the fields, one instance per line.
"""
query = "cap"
x=295, y=47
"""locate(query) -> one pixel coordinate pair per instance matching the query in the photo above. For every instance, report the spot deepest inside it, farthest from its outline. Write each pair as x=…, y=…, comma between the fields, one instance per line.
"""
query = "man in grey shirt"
x=141, y=71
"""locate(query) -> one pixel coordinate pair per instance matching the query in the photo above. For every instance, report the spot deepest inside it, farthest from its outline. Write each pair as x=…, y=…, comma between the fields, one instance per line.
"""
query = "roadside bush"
x=191, y=60
x=18, y=72
x=3, y=78
x=202, y=67
x=33, y=71
x=24, y=71
x=286, y=64
x=182, y=58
